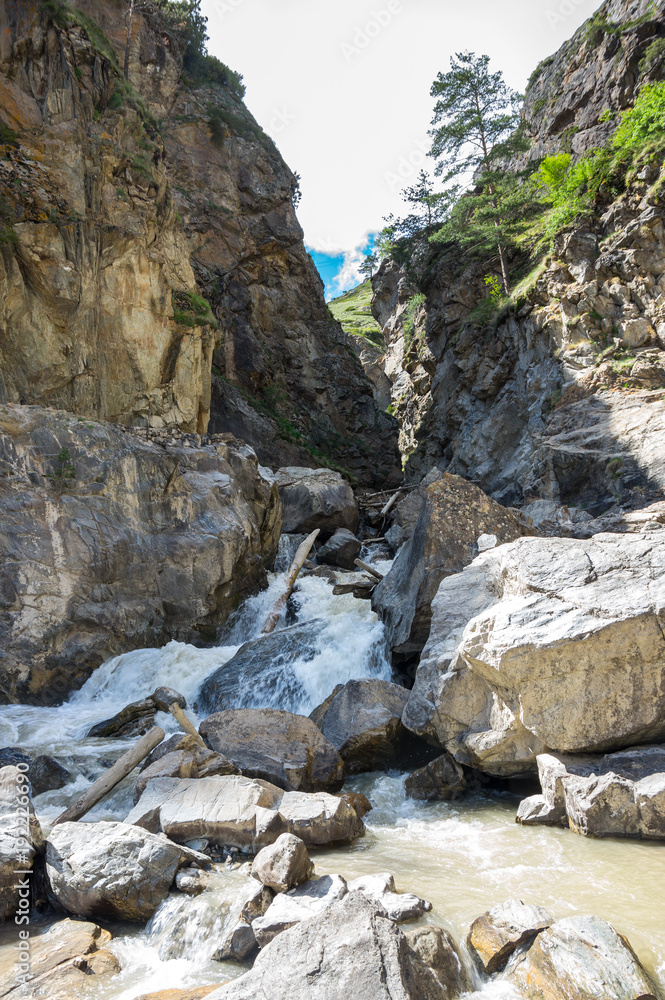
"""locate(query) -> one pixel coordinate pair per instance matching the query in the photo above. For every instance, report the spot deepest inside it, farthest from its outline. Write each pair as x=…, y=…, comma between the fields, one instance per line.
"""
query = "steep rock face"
x=120, y=201
x=522, y=406
x=110, y=542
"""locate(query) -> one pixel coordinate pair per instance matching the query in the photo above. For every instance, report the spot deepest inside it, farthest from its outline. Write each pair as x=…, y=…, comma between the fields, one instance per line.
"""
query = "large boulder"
x=262, y=670
x=111, y=871
x=436, y=949
x=497, y=934
x=235, y=811
x=283, y=865
x=316, y=498
x=453, y=515
x=618, y=795
x=342, y=549
x=44, y=772
x=580, y=958
x=20, y=839
x=363, y=720
x=546, y=644
x=112, y=542
x=287, y=750
x=351, y=949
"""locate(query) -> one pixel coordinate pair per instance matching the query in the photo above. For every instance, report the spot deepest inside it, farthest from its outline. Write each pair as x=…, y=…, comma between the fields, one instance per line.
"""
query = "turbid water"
x=464, y=857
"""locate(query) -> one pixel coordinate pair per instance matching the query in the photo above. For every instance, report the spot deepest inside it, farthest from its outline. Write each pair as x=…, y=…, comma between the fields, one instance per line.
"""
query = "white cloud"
x=354, y=125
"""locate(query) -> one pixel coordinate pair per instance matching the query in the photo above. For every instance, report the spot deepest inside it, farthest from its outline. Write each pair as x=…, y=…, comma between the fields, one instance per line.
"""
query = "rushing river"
x=464, y=857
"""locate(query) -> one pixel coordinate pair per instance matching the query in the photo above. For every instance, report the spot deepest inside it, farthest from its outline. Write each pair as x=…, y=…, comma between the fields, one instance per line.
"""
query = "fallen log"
x=107, y=782
x=186, y=724
x=391, y=503
x=298, y=561
x=369, y=569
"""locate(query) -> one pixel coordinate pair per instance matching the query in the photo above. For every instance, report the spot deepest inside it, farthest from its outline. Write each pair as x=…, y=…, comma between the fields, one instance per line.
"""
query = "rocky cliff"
x=147, y=224
x=560, y=396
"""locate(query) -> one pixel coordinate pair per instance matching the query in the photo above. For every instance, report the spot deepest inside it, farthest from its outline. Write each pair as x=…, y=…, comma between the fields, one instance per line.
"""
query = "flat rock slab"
x=349, y=950
x=111, y=871
x=495, y=936
x=242, y=812
x=287, y=750
x=363, y=720
x=581, y=958
x=262, y=672
x=316, y=498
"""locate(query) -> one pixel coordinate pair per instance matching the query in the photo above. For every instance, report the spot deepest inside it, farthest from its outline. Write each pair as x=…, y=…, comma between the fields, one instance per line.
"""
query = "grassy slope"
x=354, y=312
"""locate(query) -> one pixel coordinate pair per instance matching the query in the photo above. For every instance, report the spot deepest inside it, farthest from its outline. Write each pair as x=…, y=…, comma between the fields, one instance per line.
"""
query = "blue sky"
x=342, y=86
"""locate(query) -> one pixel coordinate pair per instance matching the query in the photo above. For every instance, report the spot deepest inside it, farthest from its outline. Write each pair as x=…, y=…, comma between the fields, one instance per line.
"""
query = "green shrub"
x=190, y=309
x=653, y=56
x=206, y=69
x=115, y=101
x=644, y=122
x=63, y=472
x=221, y=121
x=538, y=71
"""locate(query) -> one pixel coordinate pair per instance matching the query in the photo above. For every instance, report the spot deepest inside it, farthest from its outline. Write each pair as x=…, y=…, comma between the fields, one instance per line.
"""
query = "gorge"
x=443, y=773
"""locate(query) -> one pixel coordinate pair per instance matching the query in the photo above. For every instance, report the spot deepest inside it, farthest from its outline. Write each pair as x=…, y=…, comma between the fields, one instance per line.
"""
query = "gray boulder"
x=497, y=934
x=45, y=773
x=240, y=812
x=400, y=906
x=20, y=839
x=316, y=498
x=442, y=780
x=511, y=666
x=617, y=795
x=351, y=949
x=262, y=669
x=452, y=516
x=363, y=720
x=239, y=941
x=342, y=549
x=283, y=865
x=302, y=903
x=287, y=750
x=438, y=952
x=580, y=958
x=111, y=871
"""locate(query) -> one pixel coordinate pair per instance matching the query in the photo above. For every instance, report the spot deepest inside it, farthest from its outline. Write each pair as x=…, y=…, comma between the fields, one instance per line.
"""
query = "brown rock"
x=442, y=780
x=133, y=720
x=61, y=943
x=437, y=951
x=498, y=933
x=287, y=750
x=357, y=801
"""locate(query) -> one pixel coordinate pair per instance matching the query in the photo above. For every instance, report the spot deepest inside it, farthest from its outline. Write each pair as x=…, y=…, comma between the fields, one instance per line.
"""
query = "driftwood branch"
x=185, y=723
x=298, y=561
x=122, y=767
x=369, y=569
x=391, y=503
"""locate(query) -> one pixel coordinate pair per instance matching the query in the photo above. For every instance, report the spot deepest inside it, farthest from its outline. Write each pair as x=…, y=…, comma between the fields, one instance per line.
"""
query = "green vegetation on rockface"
x=354, y=311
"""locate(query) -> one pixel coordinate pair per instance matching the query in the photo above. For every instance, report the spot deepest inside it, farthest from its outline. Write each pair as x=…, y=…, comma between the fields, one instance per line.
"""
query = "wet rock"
x=454, y=513
x=20, y=838
x=495, y=936
x=616, y=795
x=255, y=900
x=110, y=870
x=208, y=763
x=62, y=943
x=364, y=722
x=302, y=903
x=192, y=881
x=260, y=669
x=240, y=812
x=442, y=780
x=238, y=945
x=133, y=720
x=316, y=498
x=400, y=906
x=357, y=801
x=342, y=549
x=581, y=958
x=511, y=666
x=164, y=697
x=285, y=749
x=283, y=865
x=45, y=773
x=436, y=949
x=351, y=949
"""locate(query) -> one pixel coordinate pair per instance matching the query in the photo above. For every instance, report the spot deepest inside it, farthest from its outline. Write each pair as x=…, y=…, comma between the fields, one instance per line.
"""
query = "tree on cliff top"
x=475, y=130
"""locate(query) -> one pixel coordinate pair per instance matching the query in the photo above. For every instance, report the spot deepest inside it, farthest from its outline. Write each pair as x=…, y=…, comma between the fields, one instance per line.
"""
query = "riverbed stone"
x=111, y=871
x=363, y=720
x=437, y=950
x=247, y=813
x=286, y=749
x=351, y=949
x=284, y=864
x=453, y=514
x=20, y=836
x=442, y=780
x=400, y=906
x=581, y=958
x=238, y=944
x=262, y=670
x=511, y=669
x=495, y=936
x=342, y=549
x=316, y=498
x=301, y=903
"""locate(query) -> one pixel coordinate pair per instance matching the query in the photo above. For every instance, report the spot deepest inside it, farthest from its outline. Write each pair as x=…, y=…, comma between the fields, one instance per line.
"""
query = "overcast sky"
x=343, y=86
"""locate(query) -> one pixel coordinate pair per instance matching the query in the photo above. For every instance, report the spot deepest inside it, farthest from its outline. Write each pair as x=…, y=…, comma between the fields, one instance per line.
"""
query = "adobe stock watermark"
x=366, y=33
x=22, y=838
x=223, y=7
x=408, y=166
x=281, y=119
x=565, y=10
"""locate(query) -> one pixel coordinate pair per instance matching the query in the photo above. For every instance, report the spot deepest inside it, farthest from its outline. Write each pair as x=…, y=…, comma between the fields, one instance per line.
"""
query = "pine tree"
x=476, y=129
x=369, y=266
